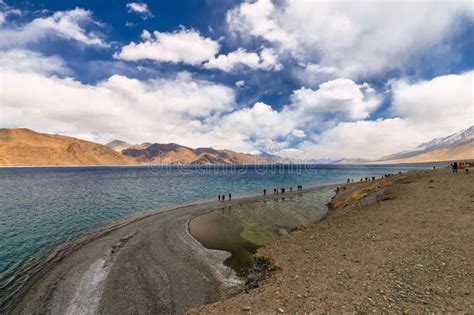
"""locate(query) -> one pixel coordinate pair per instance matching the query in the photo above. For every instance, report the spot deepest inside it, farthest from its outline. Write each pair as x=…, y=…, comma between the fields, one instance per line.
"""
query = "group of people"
x=222, y=197
x=461, y=165
x=278, y=190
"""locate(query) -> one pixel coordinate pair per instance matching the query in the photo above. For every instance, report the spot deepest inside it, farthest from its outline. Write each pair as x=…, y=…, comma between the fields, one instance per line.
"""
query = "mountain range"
x=172, y=153
x=457, y=146
x=24, y=147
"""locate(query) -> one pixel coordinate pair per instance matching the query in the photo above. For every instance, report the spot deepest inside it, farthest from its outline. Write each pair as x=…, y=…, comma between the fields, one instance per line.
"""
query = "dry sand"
x=402, y=244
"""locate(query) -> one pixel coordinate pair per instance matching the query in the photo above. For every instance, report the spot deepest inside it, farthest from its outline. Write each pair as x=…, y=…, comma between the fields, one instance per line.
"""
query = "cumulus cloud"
x=258, y=19
x=261, y=126
x=162, y=109
x=362, y=139
x=357, y=40
x=184, y=45
x=266, y=60
x=140, y=8
x=76, y=24
x=422, y=111
x=260, y=121
x=177, y=109
x=439, y=106
x=21, y=60
x=354, y=101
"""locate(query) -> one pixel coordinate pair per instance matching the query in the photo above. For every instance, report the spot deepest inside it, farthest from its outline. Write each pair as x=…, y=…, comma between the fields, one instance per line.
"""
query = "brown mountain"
x=24, y=147
x=173, y=153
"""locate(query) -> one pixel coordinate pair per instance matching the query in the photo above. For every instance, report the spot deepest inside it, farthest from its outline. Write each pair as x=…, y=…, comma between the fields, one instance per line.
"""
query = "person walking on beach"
x=230, y=196
x=264, y=192
x=223, y=197
x=455, y=167
x=219, y=197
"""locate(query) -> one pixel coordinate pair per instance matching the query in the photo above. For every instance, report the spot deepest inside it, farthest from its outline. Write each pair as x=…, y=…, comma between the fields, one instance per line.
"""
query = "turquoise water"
x=43, y=207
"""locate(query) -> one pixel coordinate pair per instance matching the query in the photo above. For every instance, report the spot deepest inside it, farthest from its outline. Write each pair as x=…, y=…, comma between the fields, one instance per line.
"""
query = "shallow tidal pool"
x=241, y=229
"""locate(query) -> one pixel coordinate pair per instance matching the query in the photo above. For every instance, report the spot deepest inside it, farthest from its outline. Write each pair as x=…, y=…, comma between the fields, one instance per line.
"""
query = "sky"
x=301, y=79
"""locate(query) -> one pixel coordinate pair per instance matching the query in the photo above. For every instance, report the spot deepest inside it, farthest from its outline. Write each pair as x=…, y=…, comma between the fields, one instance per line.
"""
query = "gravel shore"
x=401, y=244
x=146, y=265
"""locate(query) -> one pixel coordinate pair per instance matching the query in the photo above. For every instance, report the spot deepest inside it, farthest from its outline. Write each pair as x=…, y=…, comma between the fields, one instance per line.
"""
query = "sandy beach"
x=149, y=264
x=401, y=244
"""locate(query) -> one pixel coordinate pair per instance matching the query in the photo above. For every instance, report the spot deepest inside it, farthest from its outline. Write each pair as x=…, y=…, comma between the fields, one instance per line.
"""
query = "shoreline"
x=375, y=163
x=55, y=256
x=403, y=246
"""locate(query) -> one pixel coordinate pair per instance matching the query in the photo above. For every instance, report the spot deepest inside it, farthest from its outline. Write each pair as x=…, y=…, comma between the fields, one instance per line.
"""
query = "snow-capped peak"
x=454, y=139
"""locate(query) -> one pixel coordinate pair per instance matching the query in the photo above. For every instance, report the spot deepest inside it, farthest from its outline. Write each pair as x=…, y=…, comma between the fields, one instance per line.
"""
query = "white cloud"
x=6, y=11
x=258, y=19
x=422, y=111
x=240, y=83
x=259, y=121
x=70, y=24
x=21, y=60
x=266, y=60
x=195, y=112
x=140, y=8
x=298, y=133
x=366, y=139
x=344, y=96
x=164, y=110
x=260, y=126
x=439, y=107
x=357, y=39
x=186, y=46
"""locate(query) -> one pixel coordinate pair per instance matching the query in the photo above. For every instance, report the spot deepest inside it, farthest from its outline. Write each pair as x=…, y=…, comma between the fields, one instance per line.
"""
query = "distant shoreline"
x=205, y=165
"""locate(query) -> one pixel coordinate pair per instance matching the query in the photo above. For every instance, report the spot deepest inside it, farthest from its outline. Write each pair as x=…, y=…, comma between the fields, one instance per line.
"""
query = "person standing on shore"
x=219, y=197
x=264, y=192
x=455, y=167
x=230, y=196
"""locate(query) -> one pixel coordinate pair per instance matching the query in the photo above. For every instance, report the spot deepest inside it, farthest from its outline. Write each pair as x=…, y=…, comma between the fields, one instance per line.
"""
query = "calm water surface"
x=43, y=207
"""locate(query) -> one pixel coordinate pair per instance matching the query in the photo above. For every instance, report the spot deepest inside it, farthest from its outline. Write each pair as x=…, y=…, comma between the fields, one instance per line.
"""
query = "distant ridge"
x=24, y=147
x=172, y=153
x=352, y=161
x=458, y=146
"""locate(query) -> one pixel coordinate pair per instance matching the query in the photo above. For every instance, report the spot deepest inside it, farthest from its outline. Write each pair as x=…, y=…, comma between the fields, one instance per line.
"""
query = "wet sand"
x=149, y=264
x=396, y=245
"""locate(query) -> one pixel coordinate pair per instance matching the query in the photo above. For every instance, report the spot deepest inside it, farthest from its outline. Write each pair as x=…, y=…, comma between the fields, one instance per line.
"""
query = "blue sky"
x=318, y=79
